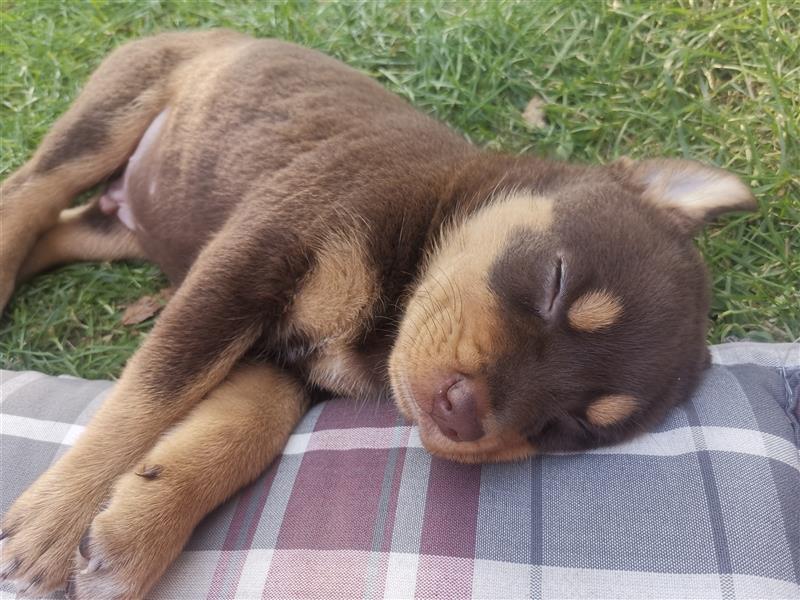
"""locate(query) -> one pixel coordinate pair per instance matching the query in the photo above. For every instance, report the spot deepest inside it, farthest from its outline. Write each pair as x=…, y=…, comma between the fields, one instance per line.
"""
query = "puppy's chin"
x=492, y=448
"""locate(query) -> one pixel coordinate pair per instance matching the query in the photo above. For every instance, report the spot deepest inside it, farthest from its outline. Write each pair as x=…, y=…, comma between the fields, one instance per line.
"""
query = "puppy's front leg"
x=228, y=297
x=222, y=445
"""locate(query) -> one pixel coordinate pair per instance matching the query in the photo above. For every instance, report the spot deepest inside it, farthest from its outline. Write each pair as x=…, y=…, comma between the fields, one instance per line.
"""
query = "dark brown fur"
x=327, y=237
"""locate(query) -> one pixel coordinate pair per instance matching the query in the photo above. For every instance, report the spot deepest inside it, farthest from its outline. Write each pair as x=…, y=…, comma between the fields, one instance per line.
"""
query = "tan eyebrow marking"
x=594, y=310
x=611, y=409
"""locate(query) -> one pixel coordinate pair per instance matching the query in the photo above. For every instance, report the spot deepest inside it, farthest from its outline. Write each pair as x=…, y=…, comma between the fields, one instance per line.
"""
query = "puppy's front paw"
x=40, y=533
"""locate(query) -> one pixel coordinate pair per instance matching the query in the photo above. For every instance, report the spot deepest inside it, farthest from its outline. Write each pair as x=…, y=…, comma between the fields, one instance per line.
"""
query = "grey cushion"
x=706, y=505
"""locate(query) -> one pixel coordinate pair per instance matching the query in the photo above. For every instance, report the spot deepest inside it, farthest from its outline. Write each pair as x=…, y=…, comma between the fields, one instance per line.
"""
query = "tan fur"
x=594, y=311
x=499, y=444
x=451, y=321
x=455, y=291
x=221, y=445
x=467, y=250
x=337, y=368
x=611, y=409
x=338, y=293
x=332, y=307
x=137, y=414
x=73, y=239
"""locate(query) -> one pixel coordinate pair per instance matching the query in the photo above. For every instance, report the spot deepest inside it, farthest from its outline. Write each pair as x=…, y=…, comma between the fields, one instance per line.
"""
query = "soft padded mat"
x=705, y=506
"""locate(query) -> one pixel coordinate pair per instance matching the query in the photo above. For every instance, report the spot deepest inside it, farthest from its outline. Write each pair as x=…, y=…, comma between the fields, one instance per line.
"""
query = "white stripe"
x=752, y=586
x=499, y=579
x=401, y=575
x=580, y=584
x=356, y=438
x=73, y=434
x=297, y=443
x=769, y=355
x=191, y=574
x=39, y=429
x=414, y=441
x=12, y=385
x=361, y=437
x=674, y=442
x=572, y=583
x=662, y=443
x=254, y=573
x=723, y=439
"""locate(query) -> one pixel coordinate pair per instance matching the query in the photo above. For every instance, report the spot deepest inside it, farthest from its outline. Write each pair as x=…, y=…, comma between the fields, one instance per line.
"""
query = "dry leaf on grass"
x=533, y=114
x=145, y=307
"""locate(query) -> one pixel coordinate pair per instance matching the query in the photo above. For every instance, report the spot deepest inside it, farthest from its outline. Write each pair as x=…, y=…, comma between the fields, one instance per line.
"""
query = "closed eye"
x=555, y=287
x=540, y=430
x=583, y=426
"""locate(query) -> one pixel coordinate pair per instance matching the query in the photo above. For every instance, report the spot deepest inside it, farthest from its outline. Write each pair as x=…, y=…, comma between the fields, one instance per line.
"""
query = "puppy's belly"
x=150, y=198
x=117, y=198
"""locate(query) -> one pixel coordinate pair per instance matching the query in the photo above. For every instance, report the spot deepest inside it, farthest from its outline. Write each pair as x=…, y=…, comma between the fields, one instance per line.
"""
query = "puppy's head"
x=562, y=319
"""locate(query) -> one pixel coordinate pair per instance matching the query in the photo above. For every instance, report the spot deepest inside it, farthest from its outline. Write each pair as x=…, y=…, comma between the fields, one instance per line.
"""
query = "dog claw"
x=31, y=586
x=94, y=565
x=83, y=546
x=8, y=568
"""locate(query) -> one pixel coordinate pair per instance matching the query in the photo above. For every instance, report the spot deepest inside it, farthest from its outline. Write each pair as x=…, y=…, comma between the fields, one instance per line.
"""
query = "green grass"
x=714, y=81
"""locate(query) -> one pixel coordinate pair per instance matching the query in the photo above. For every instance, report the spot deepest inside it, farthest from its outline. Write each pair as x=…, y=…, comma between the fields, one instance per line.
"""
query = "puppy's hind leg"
x=83, y=233
x=92, y=140
x=222, y=445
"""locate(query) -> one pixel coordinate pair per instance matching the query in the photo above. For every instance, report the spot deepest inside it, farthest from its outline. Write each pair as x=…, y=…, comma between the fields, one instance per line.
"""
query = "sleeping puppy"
x=326, y=237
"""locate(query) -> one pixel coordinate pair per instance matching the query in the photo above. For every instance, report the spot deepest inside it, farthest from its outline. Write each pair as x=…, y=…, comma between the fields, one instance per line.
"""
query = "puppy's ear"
x=692, y=192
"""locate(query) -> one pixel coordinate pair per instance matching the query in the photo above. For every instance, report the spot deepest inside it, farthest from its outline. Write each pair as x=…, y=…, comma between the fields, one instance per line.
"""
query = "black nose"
x=455, y=410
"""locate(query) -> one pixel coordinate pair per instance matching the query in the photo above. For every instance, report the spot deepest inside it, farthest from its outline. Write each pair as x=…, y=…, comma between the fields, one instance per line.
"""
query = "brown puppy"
x=327, y=236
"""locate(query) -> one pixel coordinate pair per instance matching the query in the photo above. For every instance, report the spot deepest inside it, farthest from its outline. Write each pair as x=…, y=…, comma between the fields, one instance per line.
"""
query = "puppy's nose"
x=455, y=411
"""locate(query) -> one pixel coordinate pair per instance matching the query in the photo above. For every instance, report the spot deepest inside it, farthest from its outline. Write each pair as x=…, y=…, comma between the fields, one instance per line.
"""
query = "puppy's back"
x=303, y=136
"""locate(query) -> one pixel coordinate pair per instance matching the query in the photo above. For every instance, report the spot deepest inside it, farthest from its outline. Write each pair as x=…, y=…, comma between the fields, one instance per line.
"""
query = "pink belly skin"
x=116, y=198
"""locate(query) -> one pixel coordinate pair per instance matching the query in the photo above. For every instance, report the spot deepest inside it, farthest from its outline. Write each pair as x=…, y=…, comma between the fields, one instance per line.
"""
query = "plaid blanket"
x=707, y=505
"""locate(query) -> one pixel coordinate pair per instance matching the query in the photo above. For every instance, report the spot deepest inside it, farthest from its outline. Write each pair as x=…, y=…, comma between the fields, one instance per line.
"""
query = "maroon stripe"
x=221, y=571
x=238, y=518
x=347, y=414
x=247, y=515
x=334, y=501
x=451, y=509
x=265, y=485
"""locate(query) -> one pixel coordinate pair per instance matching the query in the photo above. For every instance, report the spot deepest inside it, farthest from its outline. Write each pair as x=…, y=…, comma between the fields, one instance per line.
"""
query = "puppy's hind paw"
x=112, y=561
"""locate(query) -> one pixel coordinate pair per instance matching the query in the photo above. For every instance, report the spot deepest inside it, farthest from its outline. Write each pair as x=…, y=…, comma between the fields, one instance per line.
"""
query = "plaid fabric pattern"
x=707, y=505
